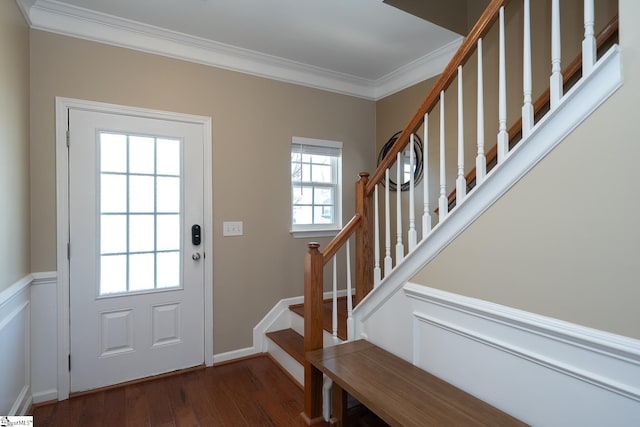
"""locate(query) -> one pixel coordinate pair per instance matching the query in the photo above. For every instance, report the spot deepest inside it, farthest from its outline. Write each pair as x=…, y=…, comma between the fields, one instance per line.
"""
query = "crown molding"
x=417, y=71
x=25, y=6
x=61, y=18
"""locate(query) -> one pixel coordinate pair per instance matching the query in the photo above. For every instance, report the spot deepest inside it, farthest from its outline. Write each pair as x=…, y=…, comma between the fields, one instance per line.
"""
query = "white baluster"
x=350, y=324
x=334, y=319
x=556, y=70
x=527, y=107
x=589, y=42
x=388, y=266
x=443, y=205
x=503, y=136
x=481, y=159
x=377, y=274
x=412, y=235
x=426, y=216
x=399, y=176
x=461, y=182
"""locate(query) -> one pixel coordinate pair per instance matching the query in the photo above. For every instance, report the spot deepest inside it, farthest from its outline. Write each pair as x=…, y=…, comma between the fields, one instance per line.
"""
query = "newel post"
x=313, y=282
x=364, y=248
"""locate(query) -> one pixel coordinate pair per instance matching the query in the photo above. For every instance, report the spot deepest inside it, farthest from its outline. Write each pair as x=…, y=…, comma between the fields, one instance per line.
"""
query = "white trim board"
x=541, y=370
x=576, y=105
x=73, y=21
x=62, y=219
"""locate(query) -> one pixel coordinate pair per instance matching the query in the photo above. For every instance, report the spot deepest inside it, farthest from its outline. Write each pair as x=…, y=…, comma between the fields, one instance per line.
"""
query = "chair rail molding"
x=537, y=368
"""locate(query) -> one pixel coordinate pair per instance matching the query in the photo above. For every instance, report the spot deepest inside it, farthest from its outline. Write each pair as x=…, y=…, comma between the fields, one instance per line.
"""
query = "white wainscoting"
x=15, y=393
x=541, y=370
x=28, y=343
x=44, y=337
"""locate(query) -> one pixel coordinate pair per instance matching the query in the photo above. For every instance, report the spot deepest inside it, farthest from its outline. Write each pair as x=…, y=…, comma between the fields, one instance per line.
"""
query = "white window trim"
x=311, y=231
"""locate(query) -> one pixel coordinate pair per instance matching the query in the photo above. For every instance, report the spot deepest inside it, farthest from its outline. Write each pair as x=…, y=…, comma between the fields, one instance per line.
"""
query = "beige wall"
x=564, y=242
x=14, y=144
x=253, y=122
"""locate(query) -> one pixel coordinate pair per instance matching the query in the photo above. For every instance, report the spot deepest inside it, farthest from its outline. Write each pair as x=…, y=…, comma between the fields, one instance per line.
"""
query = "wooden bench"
x=397, y=391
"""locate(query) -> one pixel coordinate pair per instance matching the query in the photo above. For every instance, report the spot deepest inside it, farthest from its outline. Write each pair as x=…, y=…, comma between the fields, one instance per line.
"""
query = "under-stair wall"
x=533, y=308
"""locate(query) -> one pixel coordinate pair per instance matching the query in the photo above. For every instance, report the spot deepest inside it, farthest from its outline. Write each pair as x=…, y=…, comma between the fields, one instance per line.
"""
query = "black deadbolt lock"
x=196, y=236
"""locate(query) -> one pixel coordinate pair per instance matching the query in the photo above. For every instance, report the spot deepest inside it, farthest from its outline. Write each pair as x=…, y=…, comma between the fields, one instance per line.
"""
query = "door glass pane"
x=141, y=272
x=141, y=233
x=141, y=194
x=141, y=154
x=113, y=274
x=113, y=152
x=140, y=213
x=168, y=268
x=168, y=157
x=113, y=234
x=168, y=232
x=168, y=194
x=114, y=193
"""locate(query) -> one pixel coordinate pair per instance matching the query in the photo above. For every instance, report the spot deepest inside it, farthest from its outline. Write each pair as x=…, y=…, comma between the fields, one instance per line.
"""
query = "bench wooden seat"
x=398, y=392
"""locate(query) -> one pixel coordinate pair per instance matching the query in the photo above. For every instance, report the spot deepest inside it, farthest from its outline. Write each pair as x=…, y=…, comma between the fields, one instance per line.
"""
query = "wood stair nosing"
x=290, y=341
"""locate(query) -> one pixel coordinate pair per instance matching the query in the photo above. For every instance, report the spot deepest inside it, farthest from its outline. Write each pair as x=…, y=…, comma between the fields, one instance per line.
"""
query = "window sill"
x=303, y=234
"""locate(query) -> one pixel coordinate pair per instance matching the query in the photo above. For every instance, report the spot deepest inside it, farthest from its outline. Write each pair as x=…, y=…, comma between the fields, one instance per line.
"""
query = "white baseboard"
x=45, y=395
x=234, y=354
x=541, y=370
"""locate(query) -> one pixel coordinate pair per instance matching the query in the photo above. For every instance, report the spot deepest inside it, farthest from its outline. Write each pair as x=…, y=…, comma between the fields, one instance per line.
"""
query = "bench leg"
x=338, y=406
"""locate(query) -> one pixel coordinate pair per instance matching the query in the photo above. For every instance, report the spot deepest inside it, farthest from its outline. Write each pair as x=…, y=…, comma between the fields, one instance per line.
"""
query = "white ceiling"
x=359, y=47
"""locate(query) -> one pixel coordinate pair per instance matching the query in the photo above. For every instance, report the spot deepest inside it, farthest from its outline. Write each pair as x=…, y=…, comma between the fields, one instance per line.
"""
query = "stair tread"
x=327, y=315
x=290, y=341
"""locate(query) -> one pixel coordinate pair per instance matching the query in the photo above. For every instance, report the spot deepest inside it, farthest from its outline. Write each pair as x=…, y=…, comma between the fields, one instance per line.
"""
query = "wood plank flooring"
x=251, y=392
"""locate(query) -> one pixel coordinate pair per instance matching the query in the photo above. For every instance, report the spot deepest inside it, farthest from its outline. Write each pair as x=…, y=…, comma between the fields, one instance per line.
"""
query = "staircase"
x=383, y=261
x=286, y=345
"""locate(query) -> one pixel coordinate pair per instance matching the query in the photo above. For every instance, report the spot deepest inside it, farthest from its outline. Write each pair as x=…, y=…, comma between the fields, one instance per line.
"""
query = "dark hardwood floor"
x=251, y=392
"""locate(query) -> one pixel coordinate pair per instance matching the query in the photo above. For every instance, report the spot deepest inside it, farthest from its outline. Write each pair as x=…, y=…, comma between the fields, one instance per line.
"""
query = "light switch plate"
x=232, y=228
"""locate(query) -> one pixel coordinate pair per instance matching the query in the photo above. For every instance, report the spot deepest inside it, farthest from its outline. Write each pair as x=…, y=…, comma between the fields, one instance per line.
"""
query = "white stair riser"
x=288, y=363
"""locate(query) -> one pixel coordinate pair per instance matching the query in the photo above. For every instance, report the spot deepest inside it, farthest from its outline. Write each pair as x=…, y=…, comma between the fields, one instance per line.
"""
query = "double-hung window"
x=316, y=180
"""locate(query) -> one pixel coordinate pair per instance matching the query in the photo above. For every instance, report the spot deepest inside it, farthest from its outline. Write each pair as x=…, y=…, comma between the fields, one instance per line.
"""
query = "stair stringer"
x=574, y=108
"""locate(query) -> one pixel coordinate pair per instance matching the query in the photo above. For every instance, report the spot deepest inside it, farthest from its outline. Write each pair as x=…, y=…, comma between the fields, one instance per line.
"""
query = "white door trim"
x=62, y=222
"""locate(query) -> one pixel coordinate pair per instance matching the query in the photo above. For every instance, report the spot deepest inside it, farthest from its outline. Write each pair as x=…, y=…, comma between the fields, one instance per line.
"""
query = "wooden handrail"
x=342, y=238
x=571, y=72
x=468, y=47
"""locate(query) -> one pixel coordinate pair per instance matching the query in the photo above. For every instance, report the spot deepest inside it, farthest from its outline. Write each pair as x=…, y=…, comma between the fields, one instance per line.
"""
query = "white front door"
x=136, y=270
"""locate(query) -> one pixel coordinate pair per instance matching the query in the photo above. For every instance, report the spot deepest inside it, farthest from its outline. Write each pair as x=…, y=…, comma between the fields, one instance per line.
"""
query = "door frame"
x=62, y=221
